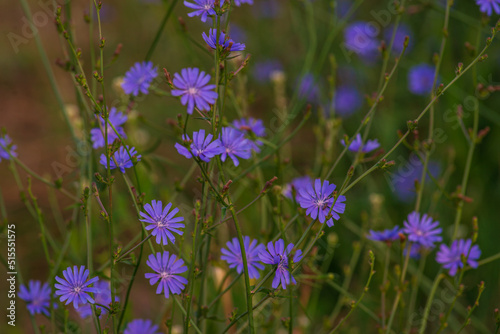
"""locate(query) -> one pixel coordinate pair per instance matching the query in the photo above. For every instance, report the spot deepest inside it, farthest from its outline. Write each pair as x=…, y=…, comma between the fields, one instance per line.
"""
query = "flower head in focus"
x=122, y=157
x=162, y=222
x=277, y=254
x=451, y=257
x=422, y=230
x=139, y=78
x=317, y=199
x=202, y=147
x=202, y=8
x=74, y=287
x=167, y=269
x=357, y=142
x=227, y=44
x=191, y=86
x=232, y=255
x=235, y=145
x=37, y=297
x=117, y=119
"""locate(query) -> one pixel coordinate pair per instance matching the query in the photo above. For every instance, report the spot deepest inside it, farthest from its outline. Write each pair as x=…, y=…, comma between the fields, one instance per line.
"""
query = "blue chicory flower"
x=488, y=6
x=361, y=38
x=162, y=222
x=75, y=286
x=251, y=126
x=422, y=230
x=421, y=79
x=7, y=147
x=451, y=257
x=232, y=255
x=122, y=157
x=347, y=100
x=139, y=78
x=227, y=43
x=37, y=297
x=235, y=145
x=387, y=235
x=203, y=8
x=117, y=119
x=192, y=86
x=167, y=268
x=102, y=296
x=357, y=142
x=276, y=254
x=202, y=147
x=142, y=326
x=297, y=184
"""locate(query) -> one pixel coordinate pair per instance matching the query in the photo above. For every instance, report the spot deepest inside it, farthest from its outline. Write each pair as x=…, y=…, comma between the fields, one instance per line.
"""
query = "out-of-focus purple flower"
x=192, y=86
x=233, y=257
x=347, y=100
x=403, y=181
x=139, y=78
x=254, y=128
x=451, y=257
x=117, y=119
x=415, y=251
x=142, y=326
x=388, y=235
x=277, y=255
x=358, y=142
x=235, y=145
x=266, y=9
x=297, y=183
x=240, y=2
x=75, y=286
x=227, y=43
x=237, y=33
x=361, y=38
x=102, y=296
x=309, y=88
x=37, y=297
x=122, y=157
x=399, y=39
x=201, y=147
x=488, y=6
x=167, y=270
x=421, y=79
x=318, y=200
x=7, y=147
x=202, y=8
x=162, y=222
x=343, y=7
x=263, y=70
x=422, y=230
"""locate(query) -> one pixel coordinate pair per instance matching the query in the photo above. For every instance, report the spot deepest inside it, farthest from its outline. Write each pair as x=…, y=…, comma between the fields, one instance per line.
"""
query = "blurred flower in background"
x=361, y=38
x=139, y=78
x=7, y=148
x=347, y=100
x=402, y=31
x=117, y=119
x=488, y=6
x=262, y=70
x=37, y=297
x=451, y=257
x=421, y=79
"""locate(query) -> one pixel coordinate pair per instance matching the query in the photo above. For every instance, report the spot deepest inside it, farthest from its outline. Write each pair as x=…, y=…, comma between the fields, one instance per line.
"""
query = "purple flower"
x=233, y=257
x=117, y=119
x=361, y=38
x=277, y=255
x=451, y=257
x=264, y=69
x=201, y=147
x=227, y=43
x=357, y=142
x=122, y=157
x=75, y=286
x=102, y=296
x=415, y=250
x=347, y=100
x=240, y=2
x=422, y=231
x=202, y=8
x=192, y=85
x=235, y=145
x=399, y=39
x=252, y=126
x=421, y=79
x=7, y=147
x=487, y=7
x=267, y=9
x=162, y=222
x=318, y=201
x=36, y=296
x=297, y=183
x=167, y=269
x=308, y=88
x=139, y=78
x=403, y=181
x=385, y=235
x=142, y=326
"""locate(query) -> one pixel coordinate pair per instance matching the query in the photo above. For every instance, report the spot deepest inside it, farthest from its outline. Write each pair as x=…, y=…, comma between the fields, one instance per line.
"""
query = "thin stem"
x=427, y=309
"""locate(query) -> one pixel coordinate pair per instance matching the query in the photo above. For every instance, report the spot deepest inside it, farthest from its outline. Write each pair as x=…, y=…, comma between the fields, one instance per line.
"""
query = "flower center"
x=164, y=275
x=160, y=223
x=192, y=91
x=77, y=289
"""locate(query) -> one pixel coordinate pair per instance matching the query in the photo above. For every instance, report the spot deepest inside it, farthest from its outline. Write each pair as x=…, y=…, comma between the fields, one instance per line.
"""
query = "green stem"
x=427, y=309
